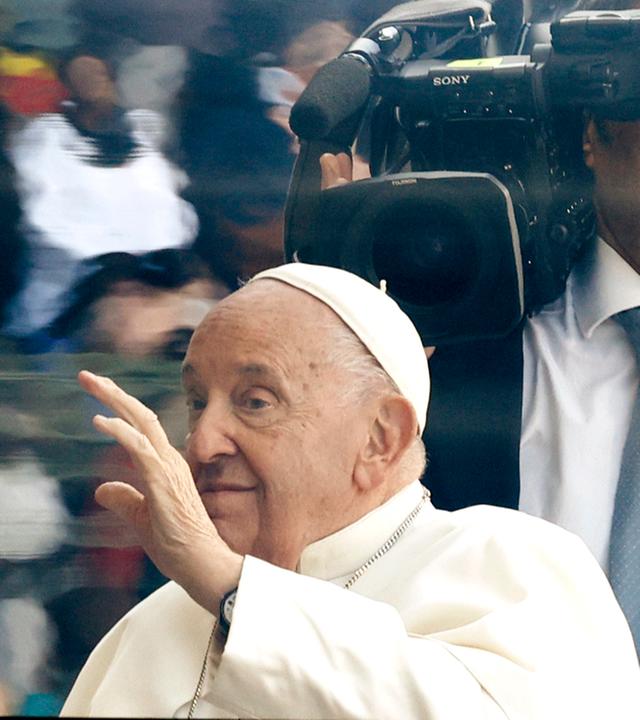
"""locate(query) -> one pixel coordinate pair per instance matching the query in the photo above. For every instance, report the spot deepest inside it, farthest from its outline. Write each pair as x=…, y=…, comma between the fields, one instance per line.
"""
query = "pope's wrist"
x=213, y=579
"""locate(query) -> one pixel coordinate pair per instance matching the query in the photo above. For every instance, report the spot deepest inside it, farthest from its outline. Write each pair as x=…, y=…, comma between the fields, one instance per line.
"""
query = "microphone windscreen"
x=337, y=91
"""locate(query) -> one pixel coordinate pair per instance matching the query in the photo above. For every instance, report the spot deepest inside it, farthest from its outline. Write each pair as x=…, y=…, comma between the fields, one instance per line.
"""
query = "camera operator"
x=579, y=447
x=579, y=451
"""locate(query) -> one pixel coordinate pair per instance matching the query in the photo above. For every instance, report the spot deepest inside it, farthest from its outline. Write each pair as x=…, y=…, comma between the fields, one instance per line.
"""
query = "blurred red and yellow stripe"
x=29, y=84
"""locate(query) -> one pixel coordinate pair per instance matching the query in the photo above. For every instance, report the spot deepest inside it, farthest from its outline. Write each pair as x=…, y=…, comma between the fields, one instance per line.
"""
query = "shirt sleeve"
x=302, y=647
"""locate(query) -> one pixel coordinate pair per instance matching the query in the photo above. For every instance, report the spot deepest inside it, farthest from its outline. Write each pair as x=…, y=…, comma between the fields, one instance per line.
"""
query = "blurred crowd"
x=145, y=157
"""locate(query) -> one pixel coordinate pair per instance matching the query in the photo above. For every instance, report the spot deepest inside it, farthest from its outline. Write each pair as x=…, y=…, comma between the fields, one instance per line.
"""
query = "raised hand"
x=167, y=515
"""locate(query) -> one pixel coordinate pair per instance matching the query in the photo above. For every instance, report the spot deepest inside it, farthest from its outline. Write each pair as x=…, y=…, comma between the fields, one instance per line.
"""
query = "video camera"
x=478, y=202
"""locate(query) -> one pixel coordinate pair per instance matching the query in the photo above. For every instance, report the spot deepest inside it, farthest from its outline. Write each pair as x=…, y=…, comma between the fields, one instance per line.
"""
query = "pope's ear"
x=391, y=434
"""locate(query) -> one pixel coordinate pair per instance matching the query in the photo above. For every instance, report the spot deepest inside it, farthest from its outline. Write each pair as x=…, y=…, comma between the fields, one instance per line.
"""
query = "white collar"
x=602, y=284
x=345, y=550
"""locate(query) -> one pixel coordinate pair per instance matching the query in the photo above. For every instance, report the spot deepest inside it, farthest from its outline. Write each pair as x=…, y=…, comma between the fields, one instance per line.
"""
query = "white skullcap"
x=374, y=317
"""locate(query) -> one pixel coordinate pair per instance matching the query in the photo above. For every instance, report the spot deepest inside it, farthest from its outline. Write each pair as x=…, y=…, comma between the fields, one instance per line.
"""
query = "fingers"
x=335, y=170
x=150, y=465
x=160, y=466
x=122, y=499
x=345, y=167
x=136, y=443
x=127, y=407
x=160, y=475
x=329, y=171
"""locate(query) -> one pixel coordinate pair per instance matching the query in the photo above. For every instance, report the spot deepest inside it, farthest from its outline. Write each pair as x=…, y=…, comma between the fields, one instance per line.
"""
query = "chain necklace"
x=382, y=550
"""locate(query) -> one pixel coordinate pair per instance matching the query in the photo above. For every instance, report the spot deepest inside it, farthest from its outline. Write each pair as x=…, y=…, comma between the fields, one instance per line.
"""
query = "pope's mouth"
x=225, y=500
x=224, y=488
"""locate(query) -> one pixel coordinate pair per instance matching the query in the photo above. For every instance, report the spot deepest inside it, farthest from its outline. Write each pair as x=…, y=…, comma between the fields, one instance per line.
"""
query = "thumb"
x=122, y=499
x=345, y=167
x=330, y=171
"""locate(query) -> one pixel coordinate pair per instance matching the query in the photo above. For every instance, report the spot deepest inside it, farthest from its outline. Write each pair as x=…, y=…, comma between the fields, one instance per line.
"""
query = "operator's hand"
x=168, y=516
x=336, y=170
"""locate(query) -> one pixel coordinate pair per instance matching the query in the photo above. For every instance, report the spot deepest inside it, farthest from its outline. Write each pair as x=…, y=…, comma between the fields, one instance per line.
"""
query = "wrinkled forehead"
x=272, y=302
x=270, y=316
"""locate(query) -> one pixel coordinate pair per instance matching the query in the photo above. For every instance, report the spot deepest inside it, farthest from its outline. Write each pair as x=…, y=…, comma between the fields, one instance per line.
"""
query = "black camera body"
x=479, y=201
x=431, y=250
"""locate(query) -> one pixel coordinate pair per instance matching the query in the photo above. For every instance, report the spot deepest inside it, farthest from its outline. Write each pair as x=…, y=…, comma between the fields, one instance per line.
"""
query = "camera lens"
x=426, y=257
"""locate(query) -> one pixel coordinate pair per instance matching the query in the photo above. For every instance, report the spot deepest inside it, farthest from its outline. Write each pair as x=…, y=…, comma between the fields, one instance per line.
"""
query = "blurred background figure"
x=92, y=179
x=34, y=525
x=32, y=34
x=138, y=305
x=12, y=244
x=150, y=77
x=307, y=50
x=27, y=636
x=239, y=163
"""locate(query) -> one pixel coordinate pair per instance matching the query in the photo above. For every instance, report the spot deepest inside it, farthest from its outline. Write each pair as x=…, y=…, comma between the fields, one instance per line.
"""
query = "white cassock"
x=481, y=613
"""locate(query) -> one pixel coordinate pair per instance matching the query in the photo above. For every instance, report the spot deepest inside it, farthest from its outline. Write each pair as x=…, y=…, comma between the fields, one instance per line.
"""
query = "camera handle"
x=303, y=198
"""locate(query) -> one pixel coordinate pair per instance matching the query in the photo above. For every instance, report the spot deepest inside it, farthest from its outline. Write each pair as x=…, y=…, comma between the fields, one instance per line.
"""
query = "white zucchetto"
x=386, y=331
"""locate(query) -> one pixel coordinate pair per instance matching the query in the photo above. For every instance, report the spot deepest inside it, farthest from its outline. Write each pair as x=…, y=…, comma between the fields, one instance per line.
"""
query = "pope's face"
x=272, y=445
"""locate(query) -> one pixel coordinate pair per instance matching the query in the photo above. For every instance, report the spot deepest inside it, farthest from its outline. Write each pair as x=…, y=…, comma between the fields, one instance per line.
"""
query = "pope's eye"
x=258, y=399
x=195, y=404
x=256, y=403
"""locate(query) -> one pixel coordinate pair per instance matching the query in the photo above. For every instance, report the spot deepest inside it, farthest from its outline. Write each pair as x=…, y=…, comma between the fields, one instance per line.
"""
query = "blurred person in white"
x=27, y=638
x=312, y=576
x=92, y=179
x=151, y=77
x=34, y=523
x=33, y=517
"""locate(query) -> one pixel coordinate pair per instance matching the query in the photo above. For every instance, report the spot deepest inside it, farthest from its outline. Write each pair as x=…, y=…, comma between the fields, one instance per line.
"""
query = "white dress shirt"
x=580, y=382
x=483, y=613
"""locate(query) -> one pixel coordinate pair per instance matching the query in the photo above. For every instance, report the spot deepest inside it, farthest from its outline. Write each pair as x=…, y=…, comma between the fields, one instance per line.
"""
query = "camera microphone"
x=336, y=92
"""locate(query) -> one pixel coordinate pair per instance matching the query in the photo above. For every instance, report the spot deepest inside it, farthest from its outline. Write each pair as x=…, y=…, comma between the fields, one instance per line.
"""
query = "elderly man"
x=312, y=576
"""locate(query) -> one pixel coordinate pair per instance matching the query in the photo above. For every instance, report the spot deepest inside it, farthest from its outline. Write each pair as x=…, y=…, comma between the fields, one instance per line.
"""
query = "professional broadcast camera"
x=478, y=202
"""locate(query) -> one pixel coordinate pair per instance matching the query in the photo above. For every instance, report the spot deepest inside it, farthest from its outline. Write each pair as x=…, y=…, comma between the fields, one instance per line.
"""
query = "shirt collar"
x=344, y=551
x=602, y=285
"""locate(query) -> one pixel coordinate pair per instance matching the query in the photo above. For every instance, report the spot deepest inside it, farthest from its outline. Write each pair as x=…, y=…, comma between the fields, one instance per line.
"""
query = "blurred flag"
x=29, y=84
